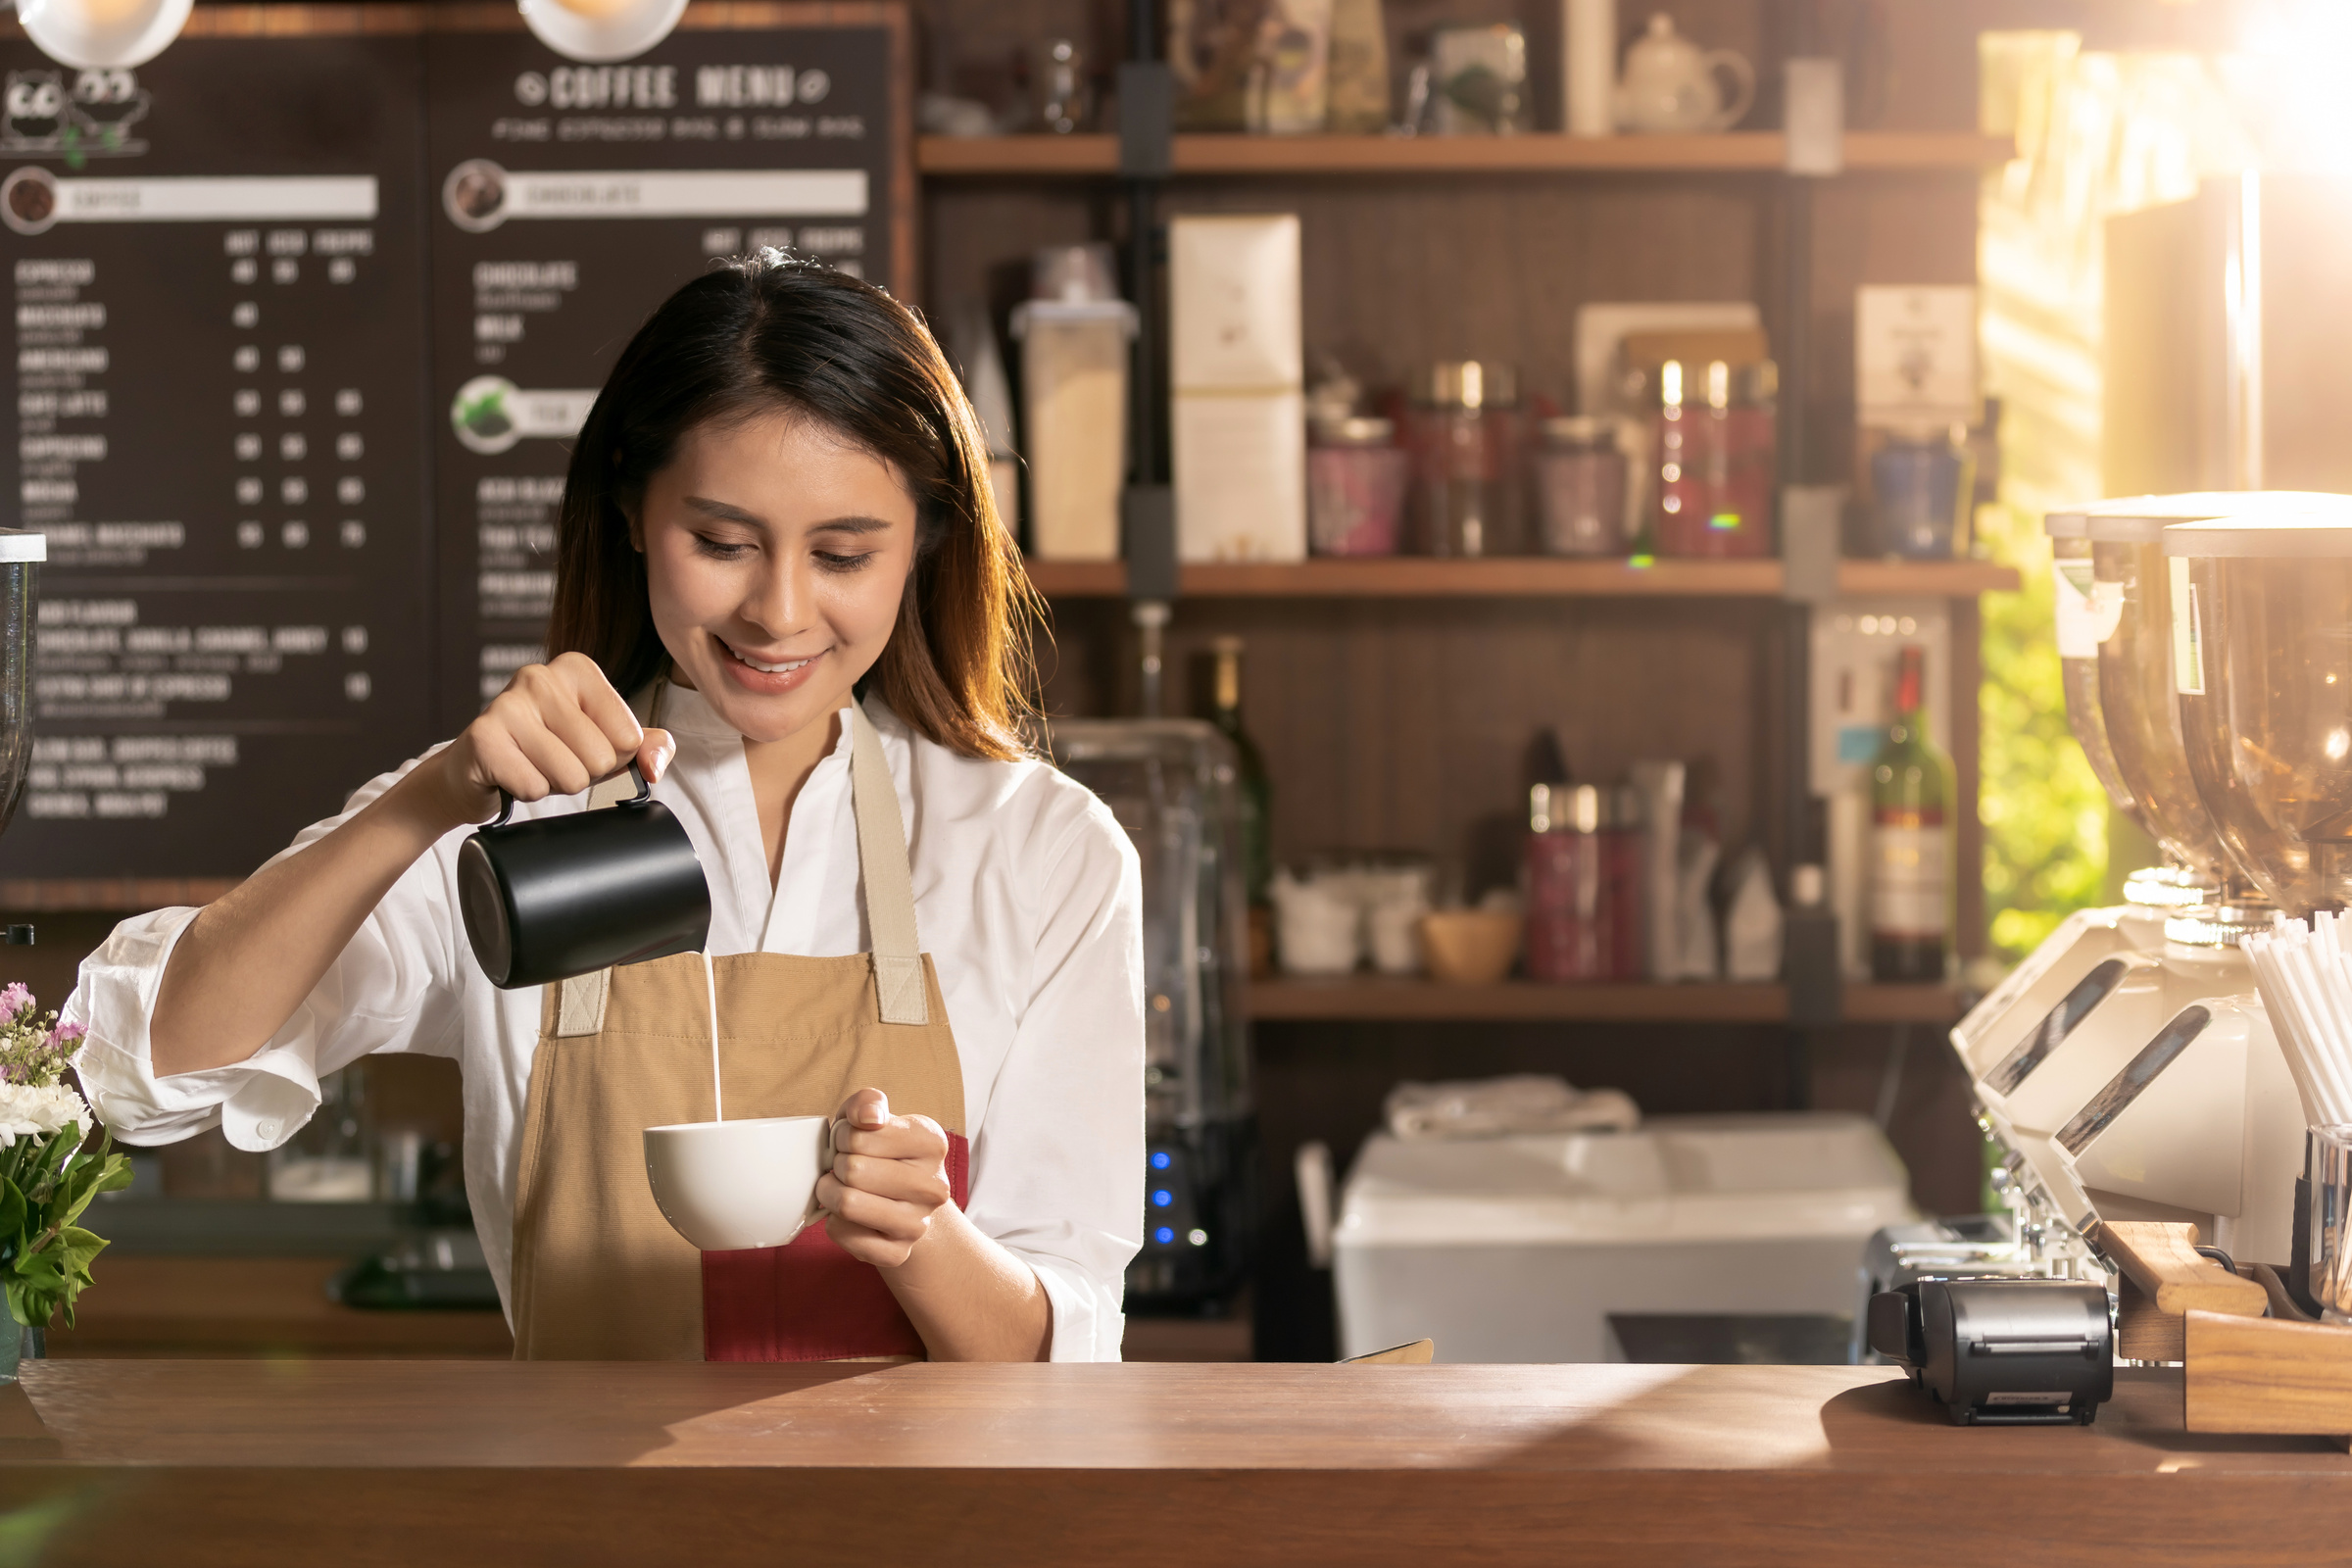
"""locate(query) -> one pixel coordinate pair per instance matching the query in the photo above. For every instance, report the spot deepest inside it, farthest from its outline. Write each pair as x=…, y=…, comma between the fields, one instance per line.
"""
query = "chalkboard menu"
x=569, y=201
x=305, y=320
x=218, y=269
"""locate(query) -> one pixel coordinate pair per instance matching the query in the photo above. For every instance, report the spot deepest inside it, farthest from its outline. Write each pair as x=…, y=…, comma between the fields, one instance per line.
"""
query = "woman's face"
x=776, y=552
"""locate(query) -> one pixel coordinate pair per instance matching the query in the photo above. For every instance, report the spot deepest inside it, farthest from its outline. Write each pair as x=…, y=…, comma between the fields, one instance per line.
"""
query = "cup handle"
x=1745, y=75
x=825, y=1163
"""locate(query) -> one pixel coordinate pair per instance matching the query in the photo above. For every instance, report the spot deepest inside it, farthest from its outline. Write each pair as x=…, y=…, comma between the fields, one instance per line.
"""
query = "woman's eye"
x=833, y=562
x=720, y=549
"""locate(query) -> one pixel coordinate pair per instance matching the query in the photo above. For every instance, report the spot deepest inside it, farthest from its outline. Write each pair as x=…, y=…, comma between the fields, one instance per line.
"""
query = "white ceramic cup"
x=728, y=1184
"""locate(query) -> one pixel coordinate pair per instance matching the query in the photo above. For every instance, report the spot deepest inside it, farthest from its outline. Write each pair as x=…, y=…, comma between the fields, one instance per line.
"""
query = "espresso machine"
x=2127, y=1066
x=1172, y=785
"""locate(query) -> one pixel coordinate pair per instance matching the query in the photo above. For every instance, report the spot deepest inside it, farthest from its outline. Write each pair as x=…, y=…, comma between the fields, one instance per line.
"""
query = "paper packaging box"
x=1075, y=423
x=1238, y=371
x=1915, y=354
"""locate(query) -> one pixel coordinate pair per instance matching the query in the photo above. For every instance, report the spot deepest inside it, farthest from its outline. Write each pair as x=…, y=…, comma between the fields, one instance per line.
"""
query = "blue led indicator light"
x=1159, y=1159
x=1163, y=1235
x=1162, y=1198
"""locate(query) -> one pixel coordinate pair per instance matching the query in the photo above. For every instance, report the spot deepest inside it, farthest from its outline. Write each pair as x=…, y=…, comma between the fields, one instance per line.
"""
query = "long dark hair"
x=769, y=333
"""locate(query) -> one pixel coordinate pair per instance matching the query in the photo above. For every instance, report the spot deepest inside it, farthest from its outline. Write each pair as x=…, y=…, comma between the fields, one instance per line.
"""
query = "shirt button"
x=264, y=1129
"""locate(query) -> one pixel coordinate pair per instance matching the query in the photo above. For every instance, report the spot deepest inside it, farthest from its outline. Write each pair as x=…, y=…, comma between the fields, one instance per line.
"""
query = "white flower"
x=30, y=1113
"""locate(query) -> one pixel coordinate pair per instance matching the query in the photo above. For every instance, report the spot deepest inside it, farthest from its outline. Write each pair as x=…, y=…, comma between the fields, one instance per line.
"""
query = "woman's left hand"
x=889, y=1177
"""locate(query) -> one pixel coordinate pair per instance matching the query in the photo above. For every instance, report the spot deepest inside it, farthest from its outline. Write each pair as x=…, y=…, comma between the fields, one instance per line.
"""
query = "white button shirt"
x=1027, y=896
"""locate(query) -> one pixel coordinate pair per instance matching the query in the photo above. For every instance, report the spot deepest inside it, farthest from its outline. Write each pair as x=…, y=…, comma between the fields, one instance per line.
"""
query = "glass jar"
x=1467, y=490
x=1920, y=482
x=1355, y=475
x=1580, y=488
x=1712, y=438
x=1582, y=868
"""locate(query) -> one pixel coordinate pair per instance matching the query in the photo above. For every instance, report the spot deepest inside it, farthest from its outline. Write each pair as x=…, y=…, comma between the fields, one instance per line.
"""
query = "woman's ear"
x=636, y=522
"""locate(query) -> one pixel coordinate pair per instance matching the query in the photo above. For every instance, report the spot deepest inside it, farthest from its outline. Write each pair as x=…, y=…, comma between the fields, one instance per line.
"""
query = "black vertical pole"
x=1147, y=120
x=1812, y=993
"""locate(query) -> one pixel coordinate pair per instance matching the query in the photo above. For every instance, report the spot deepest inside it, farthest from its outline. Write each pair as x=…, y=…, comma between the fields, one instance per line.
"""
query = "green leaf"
x=91, y=1176
x=79, y=1250
x=15, y=1213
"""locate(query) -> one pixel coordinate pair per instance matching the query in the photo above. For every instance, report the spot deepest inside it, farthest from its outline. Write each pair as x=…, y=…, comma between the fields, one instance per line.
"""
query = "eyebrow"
x=720, y=510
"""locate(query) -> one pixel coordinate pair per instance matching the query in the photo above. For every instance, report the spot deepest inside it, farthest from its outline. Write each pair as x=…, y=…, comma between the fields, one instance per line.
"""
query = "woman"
x=778, y=503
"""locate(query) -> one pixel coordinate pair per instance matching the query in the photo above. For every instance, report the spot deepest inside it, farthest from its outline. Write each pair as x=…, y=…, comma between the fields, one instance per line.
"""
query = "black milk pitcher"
x=561, y=896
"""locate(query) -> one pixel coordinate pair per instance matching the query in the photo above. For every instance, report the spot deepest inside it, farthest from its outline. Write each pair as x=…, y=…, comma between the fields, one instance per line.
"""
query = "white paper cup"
x=728, y=1184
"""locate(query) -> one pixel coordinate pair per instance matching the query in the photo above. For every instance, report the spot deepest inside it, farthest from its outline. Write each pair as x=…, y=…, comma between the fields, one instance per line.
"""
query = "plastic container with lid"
x=2263, y=672
x=2136, y=668
x=1466, y=439
x=1075, y=361
x=1713, y=435
x=1355, y=481
x=1582, y=895
x=1580, y=487
x=2085, y=618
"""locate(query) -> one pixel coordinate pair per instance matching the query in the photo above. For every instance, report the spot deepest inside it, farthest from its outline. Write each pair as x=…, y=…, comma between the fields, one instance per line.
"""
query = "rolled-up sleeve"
x=1057, y=1168
x=390, y=989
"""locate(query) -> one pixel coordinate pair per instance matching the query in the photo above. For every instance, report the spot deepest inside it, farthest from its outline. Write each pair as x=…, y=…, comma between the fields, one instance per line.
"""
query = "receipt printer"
x=2001, y=1352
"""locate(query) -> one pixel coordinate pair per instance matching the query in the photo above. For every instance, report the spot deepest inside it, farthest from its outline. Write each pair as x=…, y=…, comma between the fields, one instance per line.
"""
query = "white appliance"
x=1518, y=1250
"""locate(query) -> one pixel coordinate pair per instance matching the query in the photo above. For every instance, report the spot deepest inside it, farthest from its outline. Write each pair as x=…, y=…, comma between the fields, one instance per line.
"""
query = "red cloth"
x=811, y=1300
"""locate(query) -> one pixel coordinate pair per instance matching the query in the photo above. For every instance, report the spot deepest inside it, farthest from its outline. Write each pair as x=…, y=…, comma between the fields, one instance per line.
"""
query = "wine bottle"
x=1911, y=791
x=1257, y=791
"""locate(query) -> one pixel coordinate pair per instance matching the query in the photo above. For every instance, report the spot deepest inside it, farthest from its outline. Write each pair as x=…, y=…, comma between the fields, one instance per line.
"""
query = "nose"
x=782, y=595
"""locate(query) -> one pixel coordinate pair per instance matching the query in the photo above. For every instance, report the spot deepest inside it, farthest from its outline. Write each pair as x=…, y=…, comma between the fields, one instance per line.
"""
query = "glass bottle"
x=1256, y=790
x=1911, y=791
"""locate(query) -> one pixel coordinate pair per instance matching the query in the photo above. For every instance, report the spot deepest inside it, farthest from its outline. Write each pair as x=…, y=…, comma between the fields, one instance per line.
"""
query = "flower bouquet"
x=48, y=1174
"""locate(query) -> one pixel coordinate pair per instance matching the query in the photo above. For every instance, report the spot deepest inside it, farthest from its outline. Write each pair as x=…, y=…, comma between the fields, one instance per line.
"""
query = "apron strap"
x=889, y=883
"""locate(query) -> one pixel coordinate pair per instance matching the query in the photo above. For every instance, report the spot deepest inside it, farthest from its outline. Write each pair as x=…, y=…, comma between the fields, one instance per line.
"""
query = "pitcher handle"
x=645, y=793
x=1745, y=75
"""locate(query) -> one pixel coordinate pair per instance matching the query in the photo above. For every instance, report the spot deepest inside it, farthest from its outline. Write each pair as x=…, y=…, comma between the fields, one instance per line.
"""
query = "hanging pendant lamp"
x=102, y=35
x=601, y=32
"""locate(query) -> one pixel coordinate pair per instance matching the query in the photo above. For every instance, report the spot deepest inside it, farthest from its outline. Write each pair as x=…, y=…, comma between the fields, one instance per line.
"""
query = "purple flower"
x=64, y=1037
x=16, y=1000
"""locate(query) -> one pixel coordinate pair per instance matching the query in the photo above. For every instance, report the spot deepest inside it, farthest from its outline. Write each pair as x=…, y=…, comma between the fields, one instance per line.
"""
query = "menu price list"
x=216, y=330
x=568, y=202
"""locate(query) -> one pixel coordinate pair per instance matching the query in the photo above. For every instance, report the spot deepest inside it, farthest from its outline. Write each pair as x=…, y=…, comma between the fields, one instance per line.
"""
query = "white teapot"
x=1669, y=84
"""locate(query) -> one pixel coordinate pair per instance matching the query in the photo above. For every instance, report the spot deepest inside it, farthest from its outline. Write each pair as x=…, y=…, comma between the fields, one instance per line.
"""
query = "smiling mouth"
x=786, y=667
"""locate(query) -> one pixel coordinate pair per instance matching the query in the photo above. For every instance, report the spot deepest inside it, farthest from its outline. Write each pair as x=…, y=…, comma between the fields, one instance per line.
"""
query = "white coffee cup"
x=728, y=1184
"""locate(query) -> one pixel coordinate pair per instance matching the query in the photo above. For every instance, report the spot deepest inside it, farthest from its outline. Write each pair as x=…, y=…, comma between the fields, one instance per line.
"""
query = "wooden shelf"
x=1733, y=152
x=1375, y=999
x=1522, y=577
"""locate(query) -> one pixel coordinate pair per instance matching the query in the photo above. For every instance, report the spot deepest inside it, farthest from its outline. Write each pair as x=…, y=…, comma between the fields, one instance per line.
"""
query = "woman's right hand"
x=557, y=728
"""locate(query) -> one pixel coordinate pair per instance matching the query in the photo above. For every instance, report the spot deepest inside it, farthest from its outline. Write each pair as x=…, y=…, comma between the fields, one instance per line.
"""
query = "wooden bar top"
x=366, y=1462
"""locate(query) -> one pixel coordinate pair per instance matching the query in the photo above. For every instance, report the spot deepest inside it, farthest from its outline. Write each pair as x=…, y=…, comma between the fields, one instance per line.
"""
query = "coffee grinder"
x=2262, y=662
x=2126, y=1066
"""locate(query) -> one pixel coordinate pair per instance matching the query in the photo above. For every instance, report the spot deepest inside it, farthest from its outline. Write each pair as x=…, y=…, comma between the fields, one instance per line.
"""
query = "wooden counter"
x=266, y=1306
x=204, y=1462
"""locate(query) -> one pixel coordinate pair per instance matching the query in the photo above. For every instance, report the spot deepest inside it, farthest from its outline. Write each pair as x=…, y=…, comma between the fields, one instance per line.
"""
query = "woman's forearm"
x=247, y=961
x=969, y=1298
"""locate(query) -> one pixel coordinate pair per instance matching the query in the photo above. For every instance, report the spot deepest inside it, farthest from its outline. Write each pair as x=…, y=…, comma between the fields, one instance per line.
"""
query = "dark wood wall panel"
x=1405, y=725
x=1398, y=273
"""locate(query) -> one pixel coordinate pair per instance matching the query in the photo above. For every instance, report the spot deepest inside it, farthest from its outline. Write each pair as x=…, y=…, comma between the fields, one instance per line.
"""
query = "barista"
x=782, y=589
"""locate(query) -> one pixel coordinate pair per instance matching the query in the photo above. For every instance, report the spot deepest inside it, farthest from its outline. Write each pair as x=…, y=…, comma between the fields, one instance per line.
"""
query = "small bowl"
x=730, y=1185
x=1470, y=946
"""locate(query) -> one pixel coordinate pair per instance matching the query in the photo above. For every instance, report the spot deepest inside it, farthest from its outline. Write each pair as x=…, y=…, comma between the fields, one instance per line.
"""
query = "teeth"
x=766, y=669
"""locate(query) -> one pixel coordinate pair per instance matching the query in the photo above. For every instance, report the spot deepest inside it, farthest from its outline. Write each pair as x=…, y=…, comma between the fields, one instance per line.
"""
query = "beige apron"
x=599, y=1274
